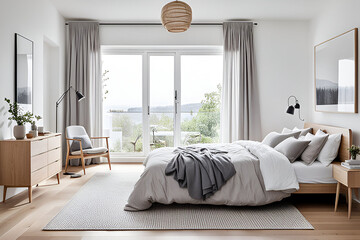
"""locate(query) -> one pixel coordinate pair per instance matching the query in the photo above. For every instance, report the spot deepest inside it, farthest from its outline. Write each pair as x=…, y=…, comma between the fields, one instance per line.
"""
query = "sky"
x=200, y=74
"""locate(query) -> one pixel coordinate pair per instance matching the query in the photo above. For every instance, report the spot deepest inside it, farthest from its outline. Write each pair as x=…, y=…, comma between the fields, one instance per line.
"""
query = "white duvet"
x=263, y=175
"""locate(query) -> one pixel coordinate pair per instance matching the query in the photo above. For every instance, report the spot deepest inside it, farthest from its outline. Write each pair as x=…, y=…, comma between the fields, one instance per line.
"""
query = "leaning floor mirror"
x=24, y=49
x=336, y=72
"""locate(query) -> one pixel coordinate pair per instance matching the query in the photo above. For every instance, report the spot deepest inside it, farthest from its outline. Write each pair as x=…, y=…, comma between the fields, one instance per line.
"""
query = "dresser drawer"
x=53, y=155
x=340, y=175
x=54, y=168
x=39, y=161
x=39, y=146
x=39, y=175
x=54, y=142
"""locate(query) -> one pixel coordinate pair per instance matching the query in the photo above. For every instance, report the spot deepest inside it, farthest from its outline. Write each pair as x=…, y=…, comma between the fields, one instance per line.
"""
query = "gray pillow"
x=292, y=148
x=313, y=150
x=85, y=143
x=274, y=138
x=303, y=132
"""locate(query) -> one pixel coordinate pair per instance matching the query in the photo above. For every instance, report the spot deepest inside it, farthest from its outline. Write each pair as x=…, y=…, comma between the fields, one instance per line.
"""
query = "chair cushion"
x=97, y=150
x=85, y=143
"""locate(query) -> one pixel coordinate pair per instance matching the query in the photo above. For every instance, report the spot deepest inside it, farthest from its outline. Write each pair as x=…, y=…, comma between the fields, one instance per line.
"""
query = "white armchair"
x=72, y=134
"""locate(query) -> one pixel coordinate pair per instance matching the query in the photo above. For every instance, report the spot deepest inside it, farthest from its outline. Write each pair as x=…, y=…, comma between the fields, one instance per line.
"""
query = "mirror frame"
x=25, y=106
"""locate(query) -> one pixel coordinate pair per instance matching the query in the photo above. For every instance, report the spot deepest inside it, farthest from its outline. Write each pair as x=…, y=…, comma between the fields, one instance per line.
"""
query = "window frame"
x=146, y=52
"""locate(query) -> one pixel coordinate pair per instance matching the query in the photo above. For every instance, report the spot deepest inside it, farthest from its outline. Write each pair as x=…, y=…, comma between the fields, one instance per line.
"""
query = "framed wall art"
x=336, y=73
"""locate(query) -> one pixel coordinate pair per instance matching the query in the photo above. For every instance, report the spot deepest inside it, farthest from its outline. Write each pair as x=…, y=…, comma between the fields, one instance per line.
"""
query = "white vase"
x=19, y=132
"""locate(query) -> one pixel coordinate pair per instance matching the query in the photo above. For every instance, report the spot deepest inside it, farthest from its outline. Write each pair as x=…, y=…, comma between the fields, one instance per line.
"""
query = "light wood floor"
x=20, y=220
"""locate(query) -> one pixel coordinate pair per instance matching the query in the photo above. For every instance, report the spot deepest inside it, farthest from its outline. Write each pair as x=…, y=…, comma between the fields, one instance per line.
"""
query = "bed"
x=263, y=175
x=320, y=187
x=316, y=173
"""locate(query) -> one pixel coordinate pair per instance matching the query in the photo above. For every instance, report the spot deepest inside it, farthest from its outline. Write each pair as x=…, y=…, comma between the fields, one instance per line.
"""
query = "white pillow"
x=331, y=148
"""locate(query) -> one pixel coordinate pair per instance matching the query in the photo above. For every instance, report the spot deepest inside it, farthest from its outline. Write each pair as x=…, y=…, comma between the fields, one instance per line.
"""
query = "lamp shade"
x=290, y=110
x=176, y=16
x=79, y=96
x=297, y=105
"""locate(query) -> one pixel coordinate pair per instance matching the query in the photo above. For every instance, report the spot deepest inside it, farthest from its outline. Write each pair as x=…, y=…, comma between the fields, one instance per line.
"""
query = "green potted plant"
x=20, y=117
x=354, y=151
x=33, y=125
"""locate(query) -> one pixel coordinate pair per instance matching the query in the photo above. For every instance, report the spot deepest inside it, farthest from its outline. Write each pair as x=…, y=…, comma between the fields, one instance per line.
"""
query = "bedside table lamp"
x=291, y=108
x=79, y=97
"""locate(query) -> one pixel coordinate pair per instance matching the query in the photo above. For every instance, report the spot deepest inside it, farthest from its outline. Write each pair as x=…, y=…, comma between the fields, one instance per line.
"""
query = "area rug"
x=98, y=206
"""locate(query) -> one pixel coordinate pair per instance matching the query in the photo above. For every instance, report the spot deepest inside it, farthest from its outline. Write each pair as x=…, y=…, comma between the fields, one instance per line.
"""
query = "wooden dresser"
x=27, y=162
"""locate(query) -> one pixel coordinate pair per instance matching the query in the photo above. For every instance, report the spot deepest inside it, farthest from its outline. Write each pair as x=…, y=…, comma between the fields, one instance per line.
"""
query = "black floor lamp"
x=79, y=97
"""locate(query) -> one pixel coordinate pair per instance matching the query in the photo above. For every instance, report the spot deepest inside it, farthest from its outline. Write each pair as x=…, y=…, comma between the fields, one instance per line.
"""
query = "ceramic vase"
x=19, y=132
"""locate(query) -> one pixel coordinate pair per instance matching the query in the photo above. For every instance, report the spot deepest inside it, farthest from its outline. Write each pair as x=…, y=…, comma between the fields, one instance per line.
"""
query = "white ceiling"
x=203, y=10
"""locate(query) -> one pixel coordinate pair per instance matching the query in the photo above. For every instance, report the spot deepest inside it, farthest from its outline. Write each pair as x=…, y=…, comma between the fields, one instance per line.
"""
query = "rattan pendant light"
x=176, y=16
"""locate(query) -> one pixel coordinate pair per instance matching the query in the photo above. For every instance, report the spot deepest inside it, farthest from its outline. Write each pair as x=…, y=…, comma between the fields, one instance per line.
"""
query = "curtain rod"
x=159, y=24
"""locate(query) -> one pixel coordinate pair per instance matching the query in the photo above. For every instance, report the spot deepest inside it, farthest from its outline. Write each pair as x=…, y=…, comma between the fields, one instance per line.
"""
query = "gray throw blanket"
x=201, y=170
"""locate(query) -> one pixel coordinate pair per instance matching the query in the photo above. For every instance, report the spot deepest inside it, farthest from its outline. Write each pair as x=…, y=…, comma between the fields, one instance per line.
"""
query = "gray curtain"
x=240, y=118
x=84, y=74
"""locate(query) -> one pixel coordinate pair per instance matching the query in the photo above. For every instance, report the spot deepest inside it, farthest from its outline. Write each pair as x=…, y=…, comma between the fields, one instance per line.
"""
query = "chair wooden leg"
x=108, y=157
x=4, y=193
x=83, y=164
x=58, y=177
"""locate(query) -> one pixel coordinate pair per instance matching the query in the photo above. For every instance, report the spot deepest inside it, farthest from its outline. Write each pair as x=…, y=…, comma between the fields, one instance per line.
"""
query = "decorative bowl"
x=29, y=135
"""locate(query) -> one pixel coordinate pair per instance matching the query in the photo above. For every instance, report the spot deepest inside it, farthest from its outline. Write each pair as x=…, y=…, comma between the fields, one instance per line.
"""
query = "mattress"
x=315, y=173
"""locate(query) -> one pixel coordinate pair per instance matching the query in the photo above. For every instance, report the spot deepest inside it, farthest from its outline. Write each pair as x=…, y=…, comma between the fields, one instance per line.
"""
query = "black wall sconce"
x=291, y=108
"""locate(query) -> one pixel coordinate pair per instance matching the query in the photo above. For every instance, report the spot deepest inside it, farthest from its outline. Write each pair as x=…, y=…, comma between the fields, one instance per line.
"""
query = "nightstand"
x=349, y=178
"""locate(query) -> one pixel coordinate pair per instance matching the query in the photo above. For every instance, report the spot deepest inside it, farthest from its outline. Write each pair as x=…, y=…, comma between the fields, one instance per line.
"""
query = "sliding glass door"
x=161, y=104
x=122, y=102
x=155, y=99
x=201, y=78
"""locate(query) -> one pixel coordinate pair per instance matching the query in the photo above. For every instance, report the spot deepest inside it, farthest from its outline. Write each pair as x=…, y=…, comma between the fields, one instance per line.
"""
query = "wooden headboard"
x=346, y=138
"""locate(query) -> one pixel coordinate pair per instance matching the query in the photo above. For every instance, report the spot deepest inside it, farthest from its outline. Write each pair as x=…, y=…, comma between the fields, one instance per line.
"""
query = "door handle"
x=176, y=102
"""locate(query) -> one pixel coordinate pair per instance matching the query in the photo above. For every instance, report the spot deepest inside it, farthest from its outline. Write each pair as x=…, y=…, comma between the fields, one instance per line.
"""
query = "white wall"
x=336, y=18
x=36, y=20
x=157, y=35
x=52, y=76
x=282, y=57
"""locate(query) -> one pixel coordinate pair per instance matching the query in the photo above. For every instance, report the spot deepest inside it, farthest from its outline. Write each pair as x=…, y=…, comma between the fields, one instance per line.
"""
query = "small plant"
x=18, y=115
x=37, y=119
x=354, y=151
